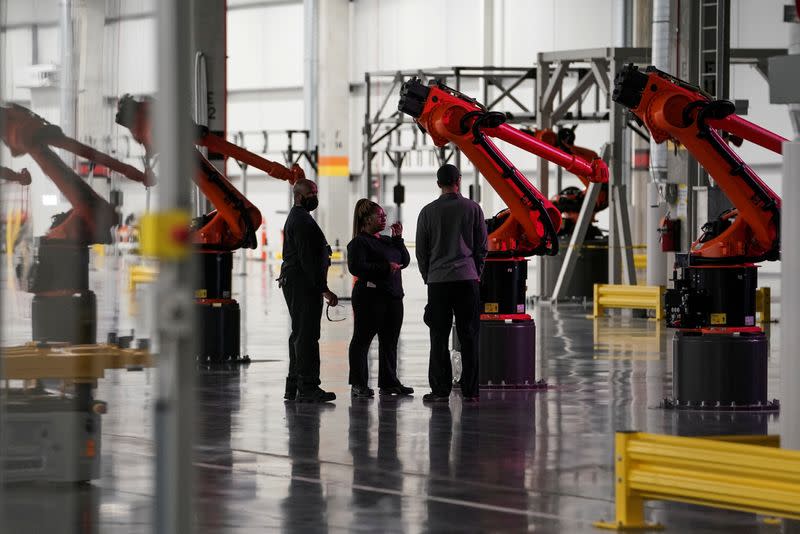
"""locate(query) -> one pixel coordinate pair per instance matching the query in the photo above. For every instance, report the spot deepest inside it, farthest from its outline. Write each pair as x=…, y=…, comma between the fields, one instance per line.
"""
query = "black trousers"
x=375, y=312
x=305, y=311
x=445, y=300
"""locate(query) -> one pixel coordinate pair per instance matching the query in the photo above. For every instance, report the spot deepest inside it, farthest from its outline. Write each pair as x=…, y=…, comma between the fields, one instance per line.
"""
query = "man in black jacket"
x=304, y=273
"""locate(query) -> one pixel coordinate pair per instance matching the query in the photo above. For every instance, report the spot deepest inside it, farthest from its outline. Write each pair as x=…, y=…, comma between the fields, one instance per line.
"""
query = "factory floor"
x=538, y=461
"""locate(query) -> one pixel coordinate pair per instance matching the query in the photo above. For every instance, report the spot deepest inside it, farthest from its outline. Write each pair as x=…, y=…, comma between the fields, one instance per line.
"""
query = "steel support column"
x=174, y=402
x=546, y=95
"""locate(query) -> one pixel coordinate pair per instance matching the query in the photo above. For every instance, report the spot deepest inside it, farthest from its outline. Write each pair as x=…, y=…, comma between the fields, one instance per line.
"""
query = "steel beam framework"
x=504, y=89
x=559, y=105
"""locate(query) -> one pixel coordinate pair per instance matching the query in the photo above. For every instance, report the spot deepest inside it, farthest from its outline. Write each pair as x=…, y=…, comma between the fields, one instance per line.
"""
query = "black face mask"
x=309, y=203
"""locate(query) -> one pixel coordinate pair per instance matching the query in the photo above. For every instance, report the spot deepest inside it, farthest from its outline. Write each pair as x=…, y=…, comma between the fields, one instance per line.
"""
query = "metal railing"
x=628, y=297
x=744, y=473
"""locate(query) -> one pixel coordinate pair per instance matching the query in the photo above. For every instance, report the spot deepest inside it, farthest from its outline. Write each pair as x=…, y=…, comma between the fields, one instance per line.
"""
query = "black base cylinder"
x=503, y=285
x=507, y=354
x=65, y=318
x=591, y=268
x=216, y=270
x=59, y=266
x=719, y=296
x=720, y=371
x=219, y=332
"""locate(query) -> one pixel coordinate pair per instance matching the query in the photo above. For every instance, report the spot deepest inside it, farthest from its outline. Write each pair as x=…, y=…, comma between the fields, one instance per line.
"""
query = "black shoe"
x=291, y=389
x=472, y=400
x=362, y=392
x=316, y=395
x=397, y=390
x=432, y=397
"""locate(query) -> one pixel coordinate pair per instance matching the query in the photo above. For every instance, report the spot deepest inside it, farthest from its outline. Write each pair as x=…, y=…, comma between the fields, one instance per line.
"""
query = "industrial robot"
x=64, y=309
x=720, y=353
x=56, y=436
x=570, y=199
x=528, y=227
x=232, y=225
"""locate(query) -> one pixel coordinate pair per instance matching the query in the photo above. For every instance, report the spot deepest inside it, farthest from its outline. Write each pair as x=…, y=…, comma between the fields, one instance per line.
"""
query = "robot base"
x=722, y=371
x=219, y=327
x=507, y=355
x=65, y=318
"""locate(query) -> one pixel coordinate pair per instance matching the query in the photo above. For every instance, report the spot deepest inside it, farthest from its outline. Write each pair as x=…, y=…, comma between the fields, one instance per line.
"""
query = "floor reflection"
x=519, y=461
x=377, y=477
x=304, y=509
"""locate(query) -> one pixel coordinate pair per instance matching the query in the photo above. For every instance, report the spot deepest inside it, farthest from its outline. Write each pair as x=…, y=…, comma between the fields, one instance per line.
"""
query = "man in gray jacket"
x=451, y=250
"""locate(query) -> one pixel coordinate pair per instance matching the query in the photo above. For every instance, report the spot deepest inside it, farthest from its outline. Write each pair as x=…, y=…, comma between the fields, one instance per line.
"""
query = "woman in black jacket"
x=376, y=262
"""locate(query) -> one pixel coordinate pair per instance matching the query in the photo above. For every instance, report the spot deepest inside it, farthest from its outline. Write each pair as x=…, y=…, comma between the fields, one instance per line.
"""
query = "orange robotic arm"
x=569, y=200
x=91, y=216
x=674, y=110
x=451, y=117
x=22, y=177
x=234, y=222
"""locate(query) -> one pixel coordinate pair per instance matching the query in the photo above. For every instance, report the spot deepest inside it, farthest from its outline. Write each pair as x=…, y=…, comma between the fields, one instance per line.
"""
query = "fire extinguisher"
x=670, y=230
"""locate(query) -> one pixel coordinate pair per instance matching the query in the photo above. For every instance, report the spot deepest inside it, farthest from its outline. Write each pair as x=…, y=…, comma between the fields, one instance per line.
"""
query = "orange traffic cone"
x=264, y=241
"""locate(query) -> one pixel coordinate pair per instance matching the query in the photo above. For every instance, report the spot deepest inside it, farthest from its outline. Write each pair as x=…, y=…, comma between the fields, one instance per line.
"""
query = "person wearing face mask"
x=376, y=261
x=303, y=278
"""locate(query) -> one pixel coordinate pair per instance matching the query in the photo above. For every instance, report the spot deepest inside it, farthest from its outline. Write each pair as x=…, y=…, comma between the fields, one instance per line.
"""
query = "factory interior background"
x=647, y=374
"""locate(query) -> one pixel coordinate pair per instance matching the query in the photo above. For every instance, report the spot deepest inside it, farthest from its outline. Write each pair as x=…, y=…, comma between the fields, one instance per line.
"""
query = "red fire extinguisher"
x=670, y=230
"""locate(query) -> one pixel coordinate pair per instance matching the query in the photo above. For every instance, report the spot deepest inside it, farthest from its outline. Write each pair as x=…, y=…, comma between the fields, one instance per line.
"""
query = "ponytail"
x=364, y=208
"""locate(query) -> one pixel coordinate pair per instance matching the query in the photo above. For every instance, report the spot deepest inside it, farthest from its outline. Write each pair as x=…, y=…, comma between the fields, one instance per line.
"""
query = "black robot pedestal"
x=711, y=295
x=65, y=318
x=720, y=371
x=217, y=313
x=63, y=310
x=507, y=346
x=507, y=354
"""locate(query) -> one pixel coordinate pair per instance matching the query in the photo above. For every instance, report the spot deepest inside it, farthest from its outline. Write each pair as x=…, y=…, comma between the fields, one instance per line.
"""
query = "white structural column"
x=790, y=283
x=90, y=23
x=332, y=97
x=656, y=261
x=790, y=297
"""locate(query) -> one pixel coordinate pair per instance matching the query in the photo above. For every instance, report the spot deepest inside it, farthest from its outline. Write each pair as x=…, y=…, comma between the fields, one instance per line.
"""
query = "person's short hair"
x=448, y=175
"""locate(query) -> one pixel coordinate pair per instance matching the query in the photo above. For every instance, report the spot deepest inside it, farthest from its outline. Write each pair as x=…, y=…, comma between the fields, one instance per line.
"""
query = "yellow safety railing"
x=141, y=274
x=763, y=303
x=623, y=296
x=737, y=473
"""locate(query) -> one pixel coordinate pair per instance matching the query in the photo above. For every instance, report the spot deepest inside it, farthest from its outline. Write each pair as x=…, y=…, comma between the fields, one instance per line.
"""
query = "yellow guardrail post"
x=598, y=309
x=629, y=504
x=744, y=473
x=763, y=303
x=626, y=296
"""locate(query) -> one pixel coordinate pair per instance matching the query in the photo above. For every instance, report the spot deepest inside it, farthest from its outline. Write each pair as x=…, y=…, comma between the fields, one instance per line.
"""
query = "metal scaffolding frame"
x=384, y=128
x=555, y=106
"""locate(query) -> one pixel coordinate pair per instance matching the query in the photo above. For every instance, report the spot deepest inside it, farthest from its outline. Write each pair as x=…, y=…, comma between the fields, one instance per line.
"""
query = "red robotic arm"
x=452, y=117
x=234, y=222
x=673, y=109
x=91, y=216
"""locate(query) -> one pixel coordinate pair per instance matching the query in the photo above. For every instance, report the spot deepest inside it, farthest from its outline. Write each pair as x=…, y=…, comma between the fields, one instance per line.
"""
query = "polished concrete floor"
x=537, y=461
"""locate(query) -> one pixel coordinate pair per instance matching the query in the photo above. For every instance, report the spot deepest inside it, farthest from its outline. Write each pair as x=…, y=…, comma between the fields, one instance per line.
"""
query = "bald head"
x=305, y=194
x=303, y=187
